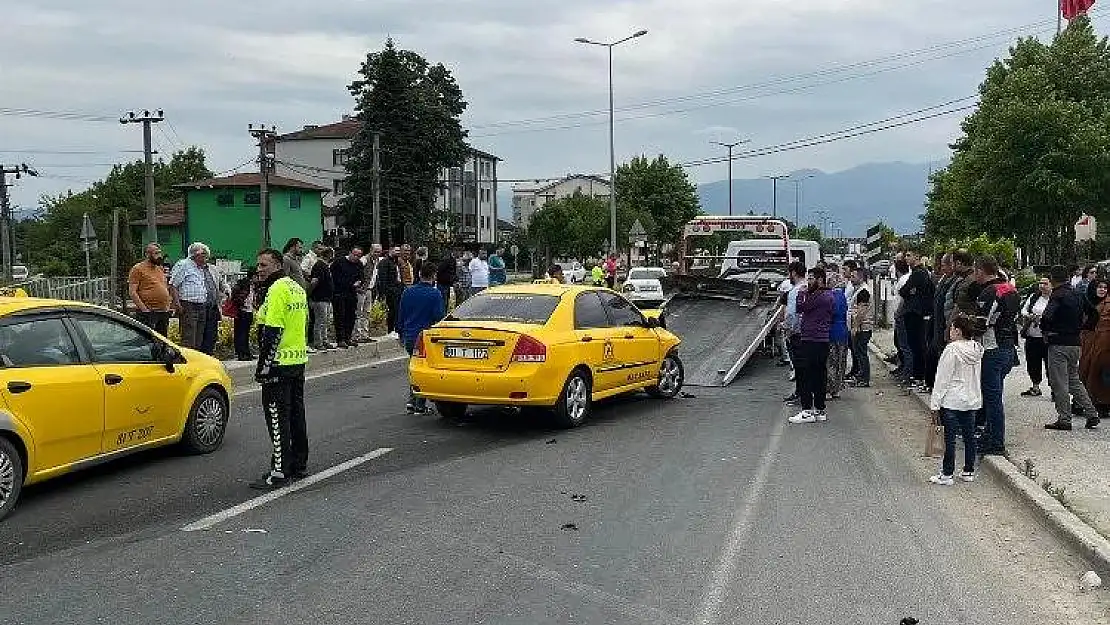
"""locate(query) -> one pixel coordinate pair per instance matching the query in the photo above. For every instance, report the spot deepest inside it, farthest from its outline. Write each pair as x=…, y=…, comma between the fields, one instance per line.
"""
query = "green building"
x=226, y=214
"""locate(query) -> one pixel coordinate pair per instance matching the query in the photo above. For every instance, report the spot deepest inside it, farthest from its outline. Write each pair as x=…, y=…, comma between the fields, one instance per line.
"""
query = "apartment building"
x=530, y=197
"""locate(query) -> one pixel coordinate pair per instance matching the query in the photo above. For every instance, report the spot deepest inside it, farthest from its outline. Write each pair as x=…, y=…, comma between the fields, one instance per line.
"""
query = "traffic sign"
x=1086, y=229
x=636, y=233
x=88, y=234
x=515, y=249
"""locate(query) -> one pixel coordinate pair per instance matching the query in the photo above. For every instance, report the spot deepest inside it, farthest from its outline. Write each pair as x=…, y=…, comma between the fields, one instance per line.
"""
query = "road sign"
x=1086, y=229
x=873, y=248
x=515, y=250
x=636, y=233
x=88, y=234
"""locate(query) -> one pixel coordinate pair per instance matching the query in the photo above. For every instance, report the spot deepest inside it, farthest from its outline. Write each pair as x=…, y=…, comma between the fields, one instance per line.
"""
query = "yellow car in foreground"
x=544, y=345
x=80, y=385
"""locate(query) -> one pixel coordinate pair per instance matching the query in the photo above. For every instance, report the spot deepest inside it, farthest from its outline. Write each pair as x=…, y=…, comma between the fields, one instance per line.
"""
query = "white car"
x=643, y=287
x=573, y=272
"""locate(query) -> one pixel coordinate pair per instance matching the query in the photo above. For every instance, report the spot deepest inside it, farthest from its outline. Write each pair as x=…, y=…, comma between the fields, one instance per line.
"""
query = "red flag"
x=1074, y=8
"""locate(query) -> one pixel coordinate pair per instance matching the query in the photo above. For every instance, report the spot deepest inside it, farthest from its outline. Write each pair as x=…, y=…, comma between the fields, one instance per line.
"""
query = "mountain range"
x=855, y=198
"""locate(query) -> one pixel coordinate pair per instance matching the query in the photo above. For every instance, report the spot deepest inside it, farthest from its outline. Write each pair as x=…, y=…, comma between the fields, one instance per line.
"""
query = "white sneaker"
x=805, y=416
x=393, y=335
x=792, y=374
x=967, y=476
x=942, y=480
x=820, y=416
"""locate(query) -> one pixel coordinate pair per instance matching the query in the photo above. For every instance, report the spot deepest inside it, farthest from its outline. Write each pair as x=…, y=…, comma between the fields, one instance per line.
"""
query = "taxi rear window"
x=508, y=307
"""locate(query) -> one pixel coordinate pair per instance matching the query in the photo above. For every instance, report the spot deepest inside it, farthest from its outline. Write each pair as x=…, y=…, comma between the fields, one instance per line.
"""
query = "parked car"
x=643, y=286
x=573, y=271
x=20, y=273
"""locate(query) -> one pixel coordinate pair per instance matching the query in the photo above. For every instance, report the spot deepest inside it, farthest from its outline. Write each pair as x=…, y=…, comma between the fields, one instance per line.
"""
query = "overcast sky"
x=770, y=71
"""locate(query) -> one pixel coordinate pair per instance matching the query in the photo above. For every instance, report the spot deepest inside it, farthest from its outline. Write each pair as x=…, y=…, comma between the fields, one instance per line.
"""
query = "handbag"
x=229, y=309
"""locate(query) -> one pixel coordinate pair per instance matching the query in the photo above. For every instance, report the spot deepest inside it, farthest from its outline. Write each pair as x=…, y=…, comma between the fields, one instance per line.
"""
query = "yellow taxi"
x=544, y=345
x=80, y=385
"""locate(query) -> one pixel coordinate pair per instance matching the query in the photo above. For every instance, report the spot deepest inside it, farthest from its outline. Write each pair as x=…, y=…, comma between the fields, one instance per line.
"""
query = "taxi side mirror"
x=170, y=357
x=652, y=322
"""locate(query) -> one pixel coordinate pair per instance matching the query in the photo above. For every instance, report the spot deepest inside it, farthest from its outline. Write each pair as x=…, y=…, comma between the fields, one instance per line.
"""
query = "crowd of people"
x=342, y=289
x=826, y=317
x=958, y=328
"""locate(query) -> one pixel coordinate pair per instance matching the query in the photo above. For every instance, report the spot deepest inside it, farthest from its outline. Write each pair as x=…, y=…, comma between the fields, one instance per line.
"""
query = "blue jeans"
x=960, y=422
x=419, y=403
x=997, y=363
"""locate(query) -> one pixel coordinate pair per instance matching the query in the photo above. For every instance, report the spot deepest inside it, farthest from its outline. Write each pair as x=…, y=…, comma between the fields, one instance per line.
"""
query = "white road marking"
x=323, y=374
x=250, y=504
x=715, y=593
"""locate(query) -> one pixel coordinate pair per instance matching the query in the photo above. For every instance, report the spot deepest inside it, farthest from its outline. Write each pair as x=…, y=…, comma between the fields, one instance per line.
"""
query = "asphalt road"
x=708, y=509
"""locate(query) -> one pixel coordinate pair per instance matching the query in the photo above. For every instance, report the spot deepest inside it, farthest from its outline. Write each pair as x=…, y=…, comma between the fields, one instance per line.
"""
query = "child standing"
x=957, y=397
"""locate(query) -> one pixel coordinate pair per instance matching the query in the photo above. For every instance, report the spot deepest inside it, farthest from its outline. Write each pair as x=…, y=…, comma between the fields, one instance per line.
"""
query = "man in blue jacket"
x=421, y=307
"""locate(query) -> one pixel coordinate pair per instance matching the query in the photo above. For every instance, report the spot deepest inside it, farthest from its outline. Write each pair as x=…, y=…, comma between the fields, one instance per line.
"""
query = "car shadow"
x=534, y=422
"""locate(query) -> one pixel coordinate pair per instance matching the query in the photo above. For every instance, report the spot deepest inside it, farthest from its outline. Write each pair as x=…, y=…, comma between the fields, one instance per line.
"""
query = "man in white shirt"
x=366, y=294
x=479, y=272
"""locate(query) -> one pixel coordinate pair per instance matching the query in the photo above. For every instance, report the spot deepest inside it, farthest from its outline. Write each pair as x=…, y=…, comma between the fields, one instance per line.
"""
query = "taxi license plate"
x=467, y=353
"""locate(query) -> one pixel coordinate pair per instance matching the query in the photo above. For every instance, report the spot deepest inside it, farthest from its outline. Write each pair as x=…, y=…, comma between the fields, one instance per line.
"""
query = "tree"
x=1036, y=153
x=809, y=233
x=657, y=193
x=576, y=226
x=415, y=107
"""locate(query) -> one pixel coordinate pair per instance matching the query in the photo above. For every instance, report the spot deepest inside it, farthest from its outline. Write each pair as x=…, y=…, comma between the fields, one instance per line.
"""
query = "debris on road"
x=254, y=531
x=685, y=395
x=1089, y=581
x=552, y=441
x=570, y=527
x=577, y=497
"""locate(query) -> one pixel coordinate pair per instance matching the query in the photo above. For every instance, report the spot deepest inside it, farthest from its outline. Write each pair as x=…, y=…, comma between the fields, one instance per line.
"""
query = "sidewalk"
x=242, y=372
x=1078, y=461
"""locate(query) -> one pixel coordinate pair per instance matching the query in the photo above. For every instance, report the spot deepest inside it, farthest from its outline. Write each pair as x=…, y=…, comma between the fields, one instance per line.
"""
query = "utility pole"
x=265, y=138
x=146, y=119
x=775, y=193
x=6, y=213
x=730, y=146
x=376, y=178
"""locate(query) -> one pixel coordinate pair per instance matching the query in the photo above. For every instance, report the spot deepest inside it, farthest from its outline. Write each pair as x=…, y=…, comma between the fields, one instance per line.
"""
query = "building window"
x=225, y=198
x=295, y=200
x=339, y=187
x=468, y=220
x=252, y=198
x=339, y=157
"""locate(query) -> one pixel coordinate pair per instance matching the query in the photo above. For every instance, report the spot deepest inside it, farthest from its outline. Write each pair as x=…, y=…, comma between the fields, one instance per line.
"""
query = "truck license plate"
x=468, y=353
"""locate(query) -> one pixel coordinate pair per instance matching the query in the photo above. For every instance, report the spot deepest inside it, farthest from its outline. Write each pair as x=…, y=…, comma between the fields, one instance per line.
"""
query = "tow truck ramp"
x=722, y=324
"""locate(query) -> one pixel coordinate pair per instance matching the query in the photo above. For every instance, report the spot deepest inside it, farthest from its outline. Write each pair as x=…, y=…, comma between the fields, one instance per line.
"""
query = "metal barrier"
x=96, y=291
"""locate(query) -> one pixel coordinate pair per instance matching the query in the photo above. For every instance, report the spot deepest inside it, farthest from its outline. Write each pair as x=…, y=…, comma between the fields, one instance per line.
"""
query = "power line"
x=1043, y=24
x=61, y=115
x=74, y=152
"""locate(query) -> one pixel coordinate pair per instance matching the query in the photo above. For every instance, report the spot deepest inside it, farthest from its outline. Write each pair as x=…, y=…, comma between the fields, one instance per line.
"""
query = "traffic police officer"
x=282, y=319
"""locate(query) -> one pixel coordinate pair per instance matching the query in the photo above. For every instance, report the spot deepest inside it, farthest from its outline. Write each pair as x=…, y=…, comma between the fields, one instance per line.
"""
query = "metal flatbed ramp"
x=719, y=336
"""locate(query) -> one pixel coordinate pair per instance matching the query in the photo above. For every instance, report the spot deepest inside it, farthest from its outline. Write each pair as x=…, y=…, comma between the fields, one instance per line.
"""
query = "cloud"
x=771, y=71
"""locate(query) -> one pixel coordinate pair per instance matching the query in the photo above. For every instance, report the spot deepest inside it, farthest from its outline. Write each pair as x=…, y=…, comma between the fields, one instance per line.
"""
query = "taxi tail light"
x=418, y=351
x=529, y=349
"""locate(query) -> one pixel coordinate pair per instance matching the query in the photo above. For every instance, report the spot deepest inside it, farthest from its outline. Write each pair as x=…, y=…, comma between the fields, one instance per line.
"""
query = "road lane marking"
x=717, y=591
x=323, y=374
x=234, y=511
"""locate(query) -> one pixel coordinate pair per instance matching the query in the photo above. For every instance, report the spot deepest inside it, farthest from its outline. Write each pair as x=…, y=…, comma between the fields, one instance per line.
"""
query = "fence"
x=96, y=291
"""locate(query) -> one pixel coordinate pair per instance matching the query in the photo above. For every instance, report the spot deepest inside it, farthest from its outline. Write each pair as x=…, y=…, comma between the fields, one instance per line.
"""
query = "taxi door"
x=596, y=339
x=142, y=400
x=636, y=345
x=46, y=386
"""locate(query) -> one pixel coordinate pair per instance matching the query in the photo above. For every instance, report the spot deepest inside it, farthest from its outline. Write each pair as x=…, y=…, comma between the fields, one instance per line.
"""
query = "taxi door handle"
x=19, y=387
x=112, y=379
x=587, y=339
x=629, y=336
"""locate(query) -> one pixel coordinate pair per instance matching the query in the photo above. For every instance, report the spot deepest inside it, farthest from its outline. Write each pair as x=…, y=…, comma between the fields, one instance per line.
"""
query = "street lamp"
x=798, y=197
x=775, y=193
x=612, y=151
x=730, y=146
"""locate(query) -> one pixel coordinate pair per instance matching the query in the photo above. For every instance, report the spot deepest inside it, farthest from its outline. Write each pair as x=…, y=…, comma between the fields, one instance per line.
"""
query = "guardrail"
x=81, y=289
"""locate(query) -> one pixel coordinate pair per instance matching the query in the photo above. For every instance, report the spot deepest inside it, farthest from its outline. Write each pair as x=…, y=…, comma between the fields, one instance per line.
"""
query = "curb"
x=1063, y=522
x=242, y=373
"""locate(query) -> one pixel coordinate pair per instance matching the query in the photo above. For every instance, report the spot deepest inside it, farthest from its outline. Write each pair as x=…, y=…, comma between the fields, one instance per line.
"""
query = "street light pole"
x=798, y=199
x=612, y=145
x=730, y=146
x=775, y=193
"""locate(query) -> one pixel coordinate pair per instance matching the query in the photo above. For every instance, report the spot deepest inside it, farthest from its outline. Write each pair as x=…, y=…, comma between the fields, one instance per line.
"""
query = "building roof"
x=347, y=128
x=503, y=224
x=172, y=214
x=251, y=180
x=550, y=185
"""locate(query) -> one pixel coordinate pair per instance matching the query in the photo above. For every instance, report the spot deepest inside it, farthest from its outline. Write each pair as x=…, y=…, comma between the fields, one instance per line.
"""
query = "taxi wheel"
x=451, y=410
x=574, y=402
x=671, y=376
x=11, y=476
x=204, y=431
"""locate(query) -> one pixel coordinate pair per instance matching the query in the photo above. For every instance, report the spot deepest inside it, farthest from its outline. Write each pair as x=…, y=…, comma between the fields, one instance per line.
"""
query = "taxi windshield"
x=509, y=307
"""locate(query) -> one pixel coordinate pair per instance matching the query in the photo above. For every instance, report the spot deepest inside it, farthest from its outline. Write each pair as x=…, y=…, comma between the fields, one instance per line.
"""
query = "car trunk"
x=472, y=345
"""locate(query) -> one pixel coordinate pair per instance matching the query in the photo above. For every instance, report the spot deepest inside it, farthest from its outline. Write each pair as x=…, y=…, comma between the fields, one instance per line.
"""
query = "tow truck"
x=725, y=316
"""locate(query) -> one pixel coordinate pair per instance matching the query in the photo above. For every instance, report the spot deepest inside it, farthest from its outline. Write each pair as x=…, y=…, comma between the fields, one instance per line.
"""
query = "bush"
x=225, y=336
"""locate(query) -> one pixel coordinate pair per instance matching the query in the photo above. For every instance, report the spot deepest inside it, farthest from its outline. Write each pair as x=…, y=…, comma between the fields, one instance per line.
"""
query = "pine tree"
x=415, y=107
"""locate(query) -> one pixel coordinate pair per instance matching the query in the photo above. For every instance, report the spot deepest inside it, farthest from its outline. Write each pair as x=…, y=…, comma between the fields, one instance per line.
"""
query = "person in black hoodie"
x=938, y=326
x=346, y=277
x=389, y=287
x=1060, y=324
x=917, y=301
x=446, y=275
x=997, y=308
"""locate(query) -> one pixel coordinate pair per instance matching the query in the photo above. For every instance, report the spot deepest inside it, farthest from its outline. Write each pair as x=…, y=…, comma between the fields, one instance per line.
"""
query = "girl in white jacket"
x=957, y=397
